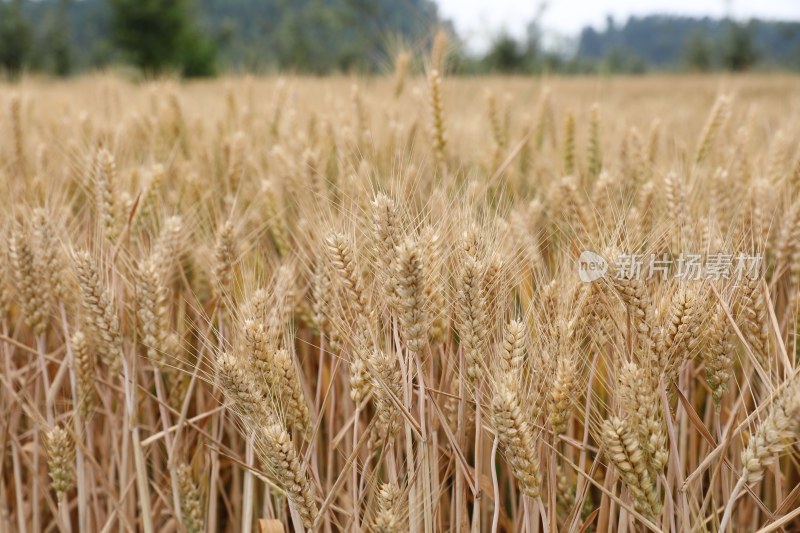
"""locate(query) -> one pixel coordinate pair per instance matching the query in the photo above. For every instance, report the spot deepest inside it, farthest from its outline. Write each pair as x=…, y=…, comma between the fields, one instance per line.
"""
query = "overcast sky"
x=477, y=20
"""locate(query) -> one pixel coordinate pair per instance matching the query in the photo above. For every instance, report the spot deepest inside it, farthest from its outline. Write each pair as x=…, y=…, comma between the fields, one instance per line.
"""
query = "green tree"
x=698, y=52
x=16, y=38
x=739, y=51
x=198, y=56
x=504, y=55
x=158, y=35
x=58, y=38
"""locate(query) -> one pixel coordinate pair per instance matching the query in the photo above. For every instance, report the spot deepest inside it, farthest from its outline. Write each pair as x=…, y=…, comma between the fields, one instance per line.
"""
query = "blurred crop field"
x=400, y=303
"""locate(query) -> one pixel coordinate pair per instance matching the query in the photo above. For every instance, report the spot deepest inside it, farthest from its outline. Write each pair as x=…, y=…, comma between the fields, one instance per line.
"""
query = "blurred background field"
x=766, y=99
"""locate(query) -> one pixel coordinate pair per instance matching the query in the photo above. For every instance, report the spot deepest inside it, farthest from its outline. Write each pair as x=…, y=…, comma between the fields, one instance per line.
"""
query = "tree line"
x=204, y=37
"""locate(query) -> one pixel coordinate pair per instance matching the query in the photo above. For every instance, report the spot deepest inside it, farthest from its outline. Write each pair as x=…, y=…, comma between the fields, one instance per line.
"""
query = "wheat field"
x=407, y=303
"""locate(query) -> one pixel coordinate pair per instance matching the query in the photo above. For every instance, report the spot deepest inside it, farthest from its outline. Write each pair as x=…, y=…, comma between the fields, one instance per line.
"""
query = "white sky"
x=477, y=20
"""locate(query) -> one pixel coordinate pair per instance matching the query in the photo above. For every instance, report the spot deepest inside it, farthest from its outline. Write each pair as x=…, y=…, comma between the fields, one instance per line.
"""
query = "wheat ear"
x=388, y=518
x=640, y=401
x=84, y=373
x=437, y=119
x=621, y=444
x=409, y=279
x=516, y=436
x=773, y=436
x=105, y=176
x=99, y=310
x=190, y=500
x=31, y=288
x=595, y=148
x=277, y=451
x=225, y=255
x=561, y=393
x=60, y=456
x=716, y=120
